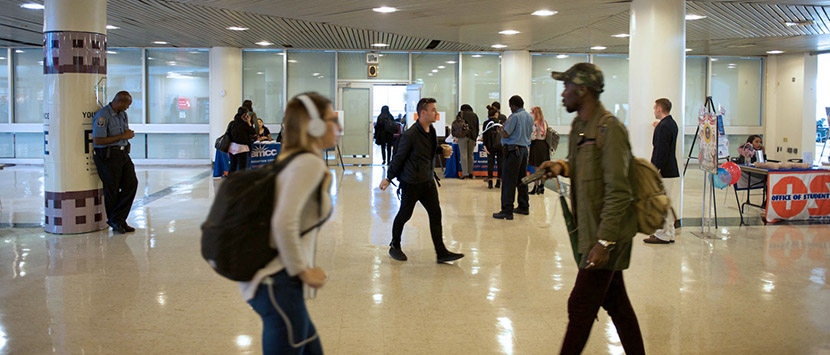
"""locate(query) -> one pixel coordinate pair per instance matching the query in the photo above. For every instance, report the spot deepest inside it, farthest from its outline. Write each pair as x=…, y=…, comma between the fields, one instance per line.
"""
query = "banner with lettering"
x=264, y=153
x=797, y=195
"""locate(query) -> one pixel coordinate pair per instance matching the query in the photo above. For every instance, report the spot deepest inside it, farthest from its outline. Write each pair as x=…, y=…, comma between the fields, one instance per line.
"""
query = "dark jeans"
x=515, y=168
x=492, y=158
x=238, y=162
x=427, y=194
x=288, y=294
x=595, y=288
x=117, y=173
x=386, y=151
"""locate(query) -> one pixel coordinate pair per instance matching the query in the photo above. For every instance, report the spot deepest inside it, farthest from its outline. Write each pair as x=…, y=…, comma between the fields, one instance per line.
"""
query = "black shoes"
x=117, y=228
x=490, y=184
x=498, y=183
x=503, y=215
x=397, y=254
x=448, y=256
x=524, y=211
x=533, y=192
x=127, y=227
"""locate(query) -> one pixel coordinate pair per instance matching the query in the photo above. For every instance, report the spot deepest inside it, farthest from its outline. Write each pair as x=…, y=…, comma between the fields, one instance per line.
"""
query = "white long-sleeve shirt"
x=303, y=201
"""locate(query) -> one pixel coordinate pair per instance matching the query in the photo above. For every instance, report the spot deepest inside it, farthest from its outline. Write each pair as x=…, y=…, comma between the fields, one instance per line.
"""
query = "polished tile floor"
x=751, y=290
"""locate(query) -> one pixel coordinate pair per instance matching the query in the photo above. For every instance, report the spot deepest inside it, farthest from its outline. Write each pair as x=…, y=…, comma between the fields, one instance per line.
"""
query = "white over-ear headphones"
x=316, y=127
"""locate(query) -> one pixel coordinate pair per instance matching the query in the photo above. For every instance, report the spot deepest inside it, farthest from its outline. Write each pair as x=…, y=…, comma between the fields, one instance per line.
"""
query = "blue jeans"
x=288, y=295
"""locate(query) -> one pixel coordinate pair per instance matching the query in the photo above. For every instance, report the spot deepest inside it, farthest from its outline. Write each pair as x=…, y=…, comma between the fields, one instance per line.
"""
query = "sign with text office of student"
x=707, y=141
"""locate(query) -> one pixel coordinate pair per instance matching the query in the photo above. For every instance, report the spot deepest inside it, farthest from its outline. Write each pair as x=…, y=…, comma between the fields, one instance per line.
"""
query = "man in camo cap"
x=599, y=155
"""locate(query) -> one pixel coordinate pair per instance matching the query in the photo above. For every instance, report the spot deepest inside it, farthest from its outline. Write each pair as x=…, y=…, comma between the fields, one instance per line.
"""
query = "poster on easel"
x=723, y=141
x=707, y=141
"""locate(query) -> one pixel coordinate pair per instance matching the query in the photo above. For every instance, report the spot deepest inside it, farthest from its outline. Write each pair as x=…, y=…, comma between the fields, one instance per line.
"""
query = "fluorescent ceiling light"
x=621, y=35
x=292, y=61
x=544, y=13
x=498, y=46
x=151, y=58
x=450, y=62
x=315, y=74
x=714, y=59
x=111, y=27
x=688, y=49
x=380, y=45
x=476, y=55
x=562, y=56
x=2, y=58
x=441, y=67
x=236, y=28
x=264, y=43
x=509, y=32
x=597, y=48
x=159, y=42
x=692, y=17
x=19, y=51
x=775, y=52
x=112, y=52
x=434, y=70
x=384, y=9
x=32, y=6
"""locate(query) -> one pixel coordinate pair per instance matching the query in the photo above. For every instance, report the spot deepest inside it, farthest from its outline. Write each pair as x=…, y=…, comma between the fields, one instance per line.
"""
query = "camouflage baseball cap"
x=582, y=74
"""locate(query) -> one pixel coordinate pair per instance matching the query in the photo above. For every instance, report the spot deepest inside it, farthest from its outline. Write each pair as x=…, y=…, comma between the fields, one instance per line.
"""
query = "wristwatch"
x=607, y=245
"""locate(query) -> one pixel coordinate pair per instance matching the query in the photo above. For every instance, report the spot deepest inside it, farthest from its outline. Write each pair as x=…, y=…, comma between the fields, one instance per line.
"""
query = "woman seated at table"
x=264, y=134
x=754, y=142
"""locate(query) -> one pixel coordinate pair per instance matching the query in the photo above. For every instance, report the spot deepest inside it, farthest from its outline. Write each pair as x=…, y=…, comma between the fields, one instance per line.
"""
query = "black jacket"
x=472, y=121
x=492, y=138
x=241, y=132
x=664, y=143
x=413, y=160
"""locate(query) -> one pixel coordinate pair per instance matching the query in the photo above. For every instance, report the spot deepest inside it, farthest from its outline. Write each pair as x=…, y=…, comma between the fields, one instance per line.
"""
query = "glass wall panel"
x=124, y=73
x=177, y=86
x=695, y=88
x=438, y=72
x=546, y=92
x=5, y=95
x=480, y=81
x=29, y=145
x=391, y=66
x=615, y=72
x=28, y=88
x=311, y=71
x=6, y=145
x=262, y=83
x=177, y=146
x=138, y=146
x=736, y=85
x=562, y=150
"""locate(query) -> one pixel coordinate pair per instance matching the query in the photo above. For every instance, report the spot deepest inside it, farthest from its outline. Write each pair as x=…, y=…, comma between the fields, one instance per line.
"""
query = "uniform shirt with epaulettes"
x=108, y=123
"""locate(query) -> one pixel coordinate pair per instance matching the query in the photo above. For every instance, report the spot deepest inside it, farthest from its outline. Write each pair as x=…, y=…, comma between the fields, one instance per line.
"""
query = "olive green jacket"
x=601, y=195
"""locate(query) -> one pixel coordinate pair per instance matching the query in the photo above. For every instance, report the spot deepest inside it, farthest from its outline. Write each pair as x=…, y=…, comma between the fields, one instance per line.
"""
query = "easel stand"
x=709, y=202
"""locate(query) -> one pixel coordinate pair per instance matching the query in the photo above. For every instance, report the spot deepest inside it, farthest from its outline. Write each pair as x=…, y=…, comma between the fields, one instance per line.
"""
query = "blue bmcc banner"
x=798, y=195
x=264, y=153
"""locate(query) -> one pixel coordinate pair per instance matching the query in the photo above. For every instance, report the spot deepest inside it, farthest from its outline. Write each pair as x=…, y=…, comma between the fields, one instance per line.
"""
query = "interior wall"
x=790, y=106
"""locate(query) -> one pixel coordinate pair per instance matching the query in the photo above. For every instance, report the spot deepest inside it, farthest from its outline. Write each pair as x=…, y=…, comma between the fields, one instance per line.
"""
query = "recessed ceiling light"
x=384, y=9
x=264, y=43
x=315, y=74
x=544, y=13
x=714, y=59
x=260, y=73
x=450, y=62
x=236, y=28
x=380, y=45
x=434, y=70
x=380, y=55
x=509, y=32
x=692, y=17
x=441, y=67
x=111, y=27
x=476, y=55
x=19, y=51
x=2, y=58
x=498, y=46
x=688, y=49
x=112, y=52
x=562, y=56
x=597, y=48
x=621, y=35
x=292, y=61
x=151, y=58
x=32, y=6
x=171, y=63
x=159, y=42
x=775, y=52
x=430, y=74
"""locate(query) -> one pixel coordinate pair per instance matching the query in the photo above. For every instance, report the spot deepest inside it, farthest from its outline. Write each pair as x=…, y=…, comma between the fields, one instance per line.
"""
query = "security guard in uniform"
x=111, y=134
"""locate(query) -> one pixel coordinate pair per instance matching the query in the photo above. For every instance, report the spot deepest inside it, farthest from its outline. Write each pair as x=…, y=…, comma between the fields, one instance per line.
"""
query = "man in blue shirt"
x=515, y=140
x=110, y=137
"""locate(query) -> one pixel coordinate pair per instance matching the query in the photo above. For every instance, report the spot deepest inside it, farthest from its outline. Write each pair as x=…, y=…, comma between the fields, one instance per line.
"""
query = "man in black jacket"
x=413, y=166
x=663, y=157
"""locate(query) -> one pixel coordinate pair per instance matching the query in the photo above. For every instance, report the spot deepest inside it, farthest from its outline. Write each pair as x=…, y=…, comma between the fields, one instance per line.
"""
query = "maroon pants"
x=595, y=288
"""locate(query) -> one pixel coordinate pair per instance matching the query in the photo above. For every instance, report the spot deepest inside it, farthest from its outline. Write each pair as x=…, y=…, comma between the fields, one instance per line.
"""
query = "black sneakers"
x=118, y=229
x=397, y=254
x=448, y=256
x=503, y=215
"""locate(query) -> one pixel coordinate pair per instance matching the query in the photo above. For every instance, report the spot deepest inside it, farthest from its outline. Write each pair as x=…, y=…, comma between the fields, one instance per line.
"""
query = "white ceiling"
x=731, y=28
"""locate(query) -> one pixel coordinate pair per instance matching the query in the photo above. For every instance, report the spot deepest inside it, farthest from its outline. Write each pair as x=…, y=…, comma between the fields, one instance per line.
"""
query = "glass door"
x=356, y=104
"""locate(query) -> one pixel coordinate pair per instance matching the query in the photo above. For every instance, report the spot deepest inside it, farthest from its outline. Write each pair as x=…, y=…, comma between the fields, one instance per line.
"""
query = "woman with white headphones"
x=303, y=204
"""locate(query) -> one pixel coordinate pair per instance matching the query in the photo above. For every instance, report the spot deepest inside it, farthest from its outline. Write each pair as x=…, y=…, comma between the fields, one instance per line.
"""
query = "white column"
x=225, y=89
x=791, y=106
x=657, y=66
x=515, y=77
x=75, y=54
